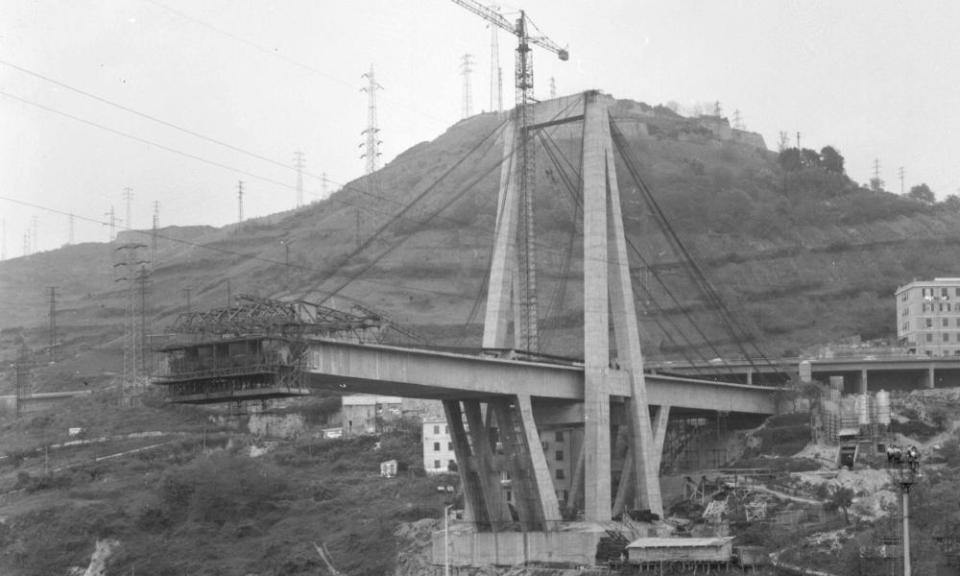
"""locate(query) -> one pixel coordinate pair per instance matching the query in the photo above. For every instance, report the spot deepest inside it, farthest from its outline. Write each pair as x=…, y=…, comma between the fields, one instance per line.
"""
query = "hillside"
x=171, y=493
x=802, y=257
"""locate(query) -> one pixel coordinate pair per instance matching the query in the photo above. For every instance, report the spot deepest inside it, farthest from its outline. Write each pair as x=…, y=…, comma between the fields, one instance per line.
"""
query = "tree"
x=952, y=202
x=809, y=158
x=831, y=160
x=923, y=193
x=790, y=160
x=841, y=499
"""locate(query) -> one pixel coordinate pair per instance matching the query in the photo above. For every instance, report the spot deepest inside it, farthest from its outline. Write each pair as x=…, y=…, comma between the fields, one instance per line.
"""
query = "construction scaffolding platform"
x=253, y=350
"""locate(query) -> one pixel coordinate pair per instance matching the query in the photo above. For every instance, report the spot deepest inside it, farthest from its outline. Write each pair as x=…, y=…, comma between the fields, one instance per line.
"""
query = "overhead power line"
x=272, y=52
x=205, y=160
x=228, y=252
x=147, y=142
x=295, y=166
x=146, y=116
x=376, y=209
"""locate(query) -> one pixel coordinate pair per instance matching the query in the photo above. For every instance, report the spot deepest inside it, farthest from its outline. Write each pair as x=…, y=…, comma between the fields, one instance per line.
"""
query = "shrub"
x=950, y=451
x=914, y=429
x=221, y=487
x=49, y=481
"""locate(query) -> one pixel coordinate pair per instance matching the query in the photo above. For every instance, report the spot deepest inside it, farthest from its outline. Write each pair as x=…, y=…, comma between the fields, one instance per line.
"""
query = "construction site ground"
x=171, y=488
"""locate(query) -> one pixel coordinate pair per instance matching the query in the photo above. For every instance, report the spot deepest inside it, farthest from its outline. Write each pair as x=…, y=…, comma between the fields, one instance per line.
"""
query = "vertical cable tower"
x=156, y=225
x=466, y=68
x=298, y=162
x=901, y=172
x=112, y=223
x=876, y=183
x=240, y=201
x=52, y=347
x=372, y=141
x=127, y=266
x=35, y=235
x=553, y=87
x=27, y=243
x=23, y=365
x=142, y=279
x=128, y=199
x=371, y=145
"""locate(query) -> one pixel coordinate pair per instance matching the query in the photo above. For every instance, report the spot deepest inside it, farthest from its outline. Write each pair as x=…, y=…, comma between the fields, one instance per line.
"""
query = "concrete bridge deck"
x=861, y=374
x=416, y=373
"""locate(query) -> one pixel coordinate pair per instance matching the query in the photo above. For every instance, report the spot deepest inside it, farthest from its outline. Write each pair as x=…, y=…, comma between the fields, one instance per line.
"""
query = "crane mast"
x=526, y=158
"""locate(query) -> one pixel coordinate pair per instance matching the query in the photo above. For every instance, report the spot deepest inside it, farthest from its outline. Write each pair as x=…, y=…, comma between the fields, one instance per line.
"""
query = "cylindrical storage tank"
x=863, y=409
x=806, y=371
x=883, y=407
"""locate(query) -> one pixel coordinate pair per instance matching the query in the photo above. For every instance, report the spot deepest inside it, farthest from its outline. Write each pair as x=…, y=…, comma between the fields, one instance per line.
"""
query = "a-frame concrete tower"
x=608, y=294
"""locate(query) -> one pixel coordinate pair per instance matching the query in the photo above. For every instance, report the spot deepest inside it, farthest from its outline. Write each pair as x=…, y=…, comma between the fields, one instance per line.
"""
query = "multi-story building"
x=437, y=446
x=559, y=448
x=928, y=316
x=365, y=413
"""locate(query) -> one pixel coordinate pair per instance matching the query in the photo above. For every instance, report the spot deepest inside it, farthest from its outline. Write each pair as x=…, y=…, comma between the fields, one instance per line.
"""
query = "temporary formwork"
x=253, y=349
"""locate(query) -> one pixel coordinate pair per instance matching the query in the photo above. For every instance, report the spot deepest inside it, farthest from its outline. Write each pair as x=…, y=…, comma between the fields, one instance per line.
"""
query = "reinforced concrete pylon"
x=608, y=293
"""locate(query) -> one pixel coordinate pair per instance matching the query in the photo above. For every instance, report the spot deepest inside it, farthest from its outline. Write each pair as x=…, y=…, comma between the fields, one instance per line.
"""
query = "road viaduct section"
x=860, y=374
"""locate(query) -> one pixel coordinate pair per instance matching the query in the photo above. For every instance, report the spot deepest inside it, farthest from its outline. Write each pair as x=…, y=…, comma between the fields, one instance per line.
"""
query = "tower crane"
x=520, y=29
x=523, y=148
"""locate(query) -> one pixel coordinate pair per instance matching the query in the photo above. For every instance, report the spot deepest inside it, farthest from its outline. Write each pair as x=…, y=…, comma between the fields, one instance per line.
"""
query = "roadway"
x=860, y=374
x=415, y=373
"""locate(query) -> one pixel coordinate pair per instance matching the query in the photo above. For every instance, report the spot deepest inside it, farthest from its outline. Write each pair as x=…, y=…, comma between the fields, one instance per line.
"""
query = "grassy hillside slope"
x=803, y=257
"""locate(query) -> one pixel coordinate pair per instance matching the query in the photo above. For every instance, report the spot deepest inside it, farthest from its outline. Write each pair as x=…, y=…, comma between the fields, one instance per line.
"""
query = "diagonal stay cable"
x=343, y=284
x=551, y=147
x=696, y=273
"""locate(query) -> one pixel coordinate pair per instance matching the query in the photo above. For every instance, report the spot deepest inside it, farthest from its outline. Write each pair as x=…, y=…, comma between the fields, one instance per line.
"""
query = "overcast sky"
x=874, y=78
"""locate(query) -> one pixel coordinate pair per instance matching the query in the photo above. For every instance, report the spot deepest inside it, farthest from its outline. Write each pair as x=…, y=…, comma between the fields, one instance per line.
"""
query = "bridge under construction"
x=262, y=349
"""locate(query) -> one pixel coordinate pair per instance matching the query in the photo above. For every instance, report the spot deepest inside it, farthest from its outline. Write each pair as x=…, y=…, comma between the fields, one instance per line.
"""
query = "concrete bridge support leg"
x=660, y=420
x=473, y=504
x=549, y=504
x=625, y=489
x=596, y=447
x=931, y=378
x=575, y=501
x=535, y=498
x=489, y=476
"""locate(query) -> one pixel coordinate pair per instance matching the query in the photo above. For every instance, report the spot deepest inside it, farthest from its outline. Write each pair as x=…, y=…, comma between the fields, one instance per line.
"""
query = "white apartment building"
x=559, y=447
x=928, y=316
x=437, y=446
